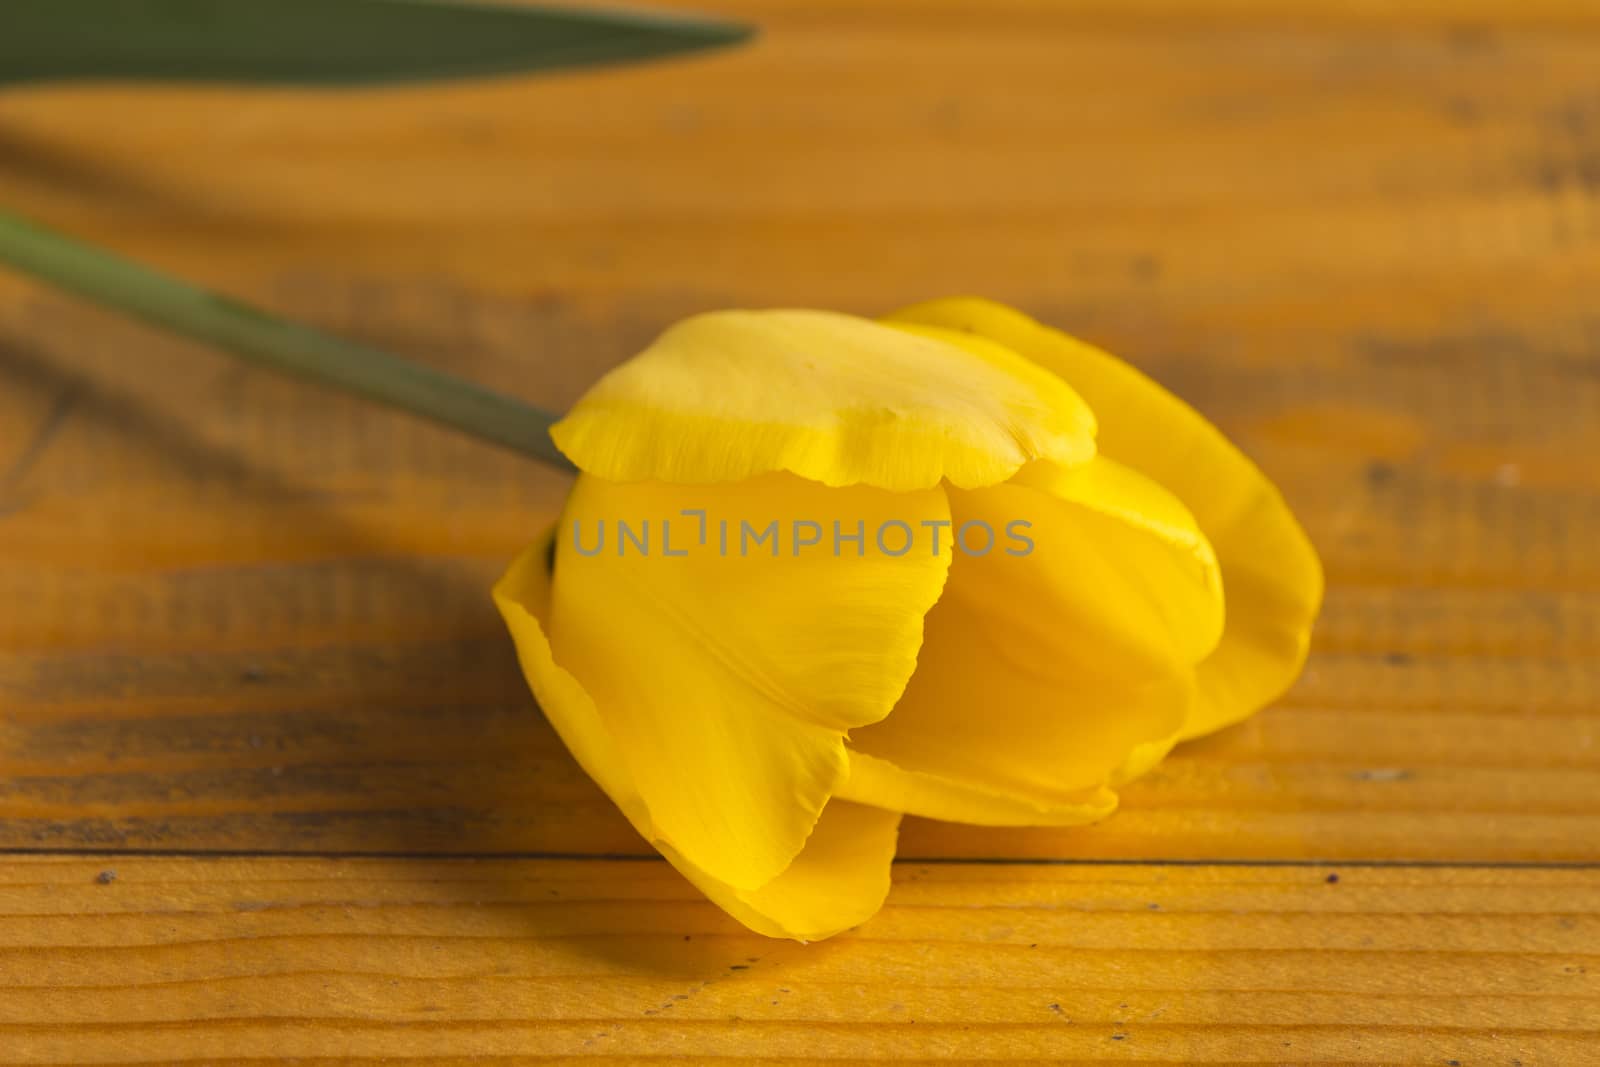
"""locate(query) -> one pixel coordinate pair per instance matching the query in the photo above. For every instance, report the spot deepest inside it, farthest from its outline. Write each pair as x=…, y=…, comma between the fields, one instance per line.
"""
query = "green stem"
x=270, y=342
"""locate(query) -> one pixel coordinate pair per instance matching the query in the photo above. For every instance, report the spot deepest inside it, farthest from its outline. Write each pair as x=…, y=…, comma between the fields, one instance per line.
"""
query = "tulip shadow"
x=65, y=170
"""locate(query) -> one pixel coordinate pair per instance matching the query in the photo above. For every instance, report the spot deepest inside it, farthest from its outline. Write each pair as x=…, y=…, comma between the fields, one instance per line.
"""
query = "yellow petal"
x=878, y=781
x=1049, y=674
x=838, y=880
x=1167, y=563
x=727, y=678
x=833, y=398
x=1120, y=493
x=1271, y=572
x=523, y=597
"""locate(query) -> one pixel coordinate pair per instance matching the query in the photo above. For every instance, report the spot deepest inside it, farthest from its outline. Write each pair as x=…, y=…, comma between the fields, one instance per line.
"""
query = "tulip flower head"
x=819, y=571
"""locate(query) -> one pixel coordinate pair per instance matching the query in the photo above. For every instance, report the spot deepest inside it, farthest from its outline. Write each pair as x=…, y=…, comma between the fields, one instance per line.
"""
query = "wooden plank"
x=241, y=614
x=184, y=960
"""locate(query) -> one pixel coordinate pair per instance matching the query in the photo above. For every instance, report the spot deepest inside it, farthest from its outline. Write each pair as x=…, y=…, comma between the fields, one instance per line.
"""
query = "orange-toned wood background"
x=241, y=616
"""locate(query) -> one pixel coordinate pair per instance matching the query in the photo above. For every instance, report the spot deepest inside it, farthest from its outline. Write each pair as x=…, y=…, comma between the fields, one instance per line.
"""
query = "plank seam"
x=638, y=857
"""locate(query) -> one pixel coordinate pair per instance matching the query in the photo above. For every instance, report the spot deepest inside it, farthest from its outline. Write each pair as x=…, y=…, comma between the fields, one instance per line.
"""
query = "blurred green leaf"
x=325, y=42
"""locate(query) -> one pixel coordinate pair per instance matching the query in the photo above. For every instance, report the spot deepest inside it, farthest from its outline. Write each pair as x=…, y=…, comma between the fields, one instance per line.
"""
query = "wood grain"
x=241, y=615
x=396, y=961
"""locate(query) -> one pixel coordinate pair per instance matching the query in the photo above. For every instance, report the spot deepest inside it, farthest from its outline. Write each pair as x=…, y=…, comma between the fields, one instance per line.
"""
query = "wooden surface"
x=241, y=616
x=384, y=960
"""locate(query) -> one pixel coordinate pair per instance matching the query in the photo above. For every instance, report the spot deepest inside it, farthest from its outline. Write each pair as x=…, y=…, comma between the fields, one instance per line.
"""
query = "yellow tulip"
x=763, y=717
